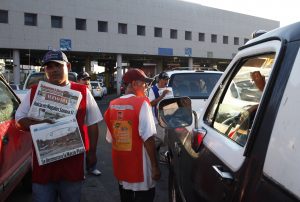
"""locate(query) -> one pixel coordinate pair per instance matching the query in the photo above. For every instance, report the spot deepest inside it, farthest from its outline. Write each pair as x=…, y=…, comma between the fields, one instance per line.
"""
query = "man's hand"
x=26, y=122
x=165, y=92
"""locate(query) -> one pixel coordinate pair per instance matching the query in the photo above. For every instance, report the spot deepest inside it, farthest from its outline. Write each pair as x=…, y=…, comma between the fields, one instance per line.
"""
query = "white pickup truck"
x=34, y=78
x=245, y=144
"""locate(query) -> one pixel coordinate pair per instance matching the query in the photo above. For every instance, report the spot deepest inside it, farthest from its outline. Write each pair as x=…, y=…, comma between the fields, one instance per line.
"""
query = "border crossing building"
x=154, y=35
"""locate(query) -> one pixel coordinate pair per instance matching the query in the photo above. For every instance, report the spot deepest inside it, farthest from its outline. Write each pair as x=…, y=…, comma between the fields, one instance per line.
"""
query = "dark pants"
x=136, y=196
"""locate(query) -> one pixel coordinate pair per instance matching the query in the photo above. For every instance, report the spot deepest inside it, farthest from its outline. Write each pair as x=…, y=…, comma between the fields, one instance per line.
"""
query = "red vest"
x=122, y=118
x=69, y=169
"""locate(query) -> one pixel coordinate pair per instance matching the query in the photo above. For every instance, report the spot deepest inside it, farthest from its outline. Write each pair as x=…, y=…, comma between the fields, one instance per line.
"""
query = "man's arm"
x=150, y=148
x=156, y=101
x=26, y=122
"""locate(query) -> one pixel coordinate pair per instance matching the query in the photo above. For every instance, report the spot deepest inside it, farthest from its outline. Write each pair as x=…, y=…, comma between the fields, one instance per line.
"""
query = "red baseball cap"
x=135, y=75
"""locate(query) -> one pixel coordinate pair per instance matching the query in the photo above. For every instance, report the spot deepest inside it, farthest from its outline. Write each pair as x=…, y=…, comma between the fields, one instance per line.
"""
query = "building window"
x=225, y=39
x=102, y=26
x=246, y=40
x=188, y=35
x=141, y=30
x=30, y=19
x=210, y=54
x=173, y=34
x=214, y=38
x=3, y=16
x=157, y=32
x=80, y=24
x=236, y=41
x=201, y=37
x=122, y=28
x=56, y=22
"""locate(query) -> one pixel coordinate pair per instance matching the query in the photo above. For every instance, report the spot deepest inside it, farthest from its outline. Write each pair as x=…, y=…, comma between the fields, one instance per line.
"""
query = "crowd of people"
x=131, y=130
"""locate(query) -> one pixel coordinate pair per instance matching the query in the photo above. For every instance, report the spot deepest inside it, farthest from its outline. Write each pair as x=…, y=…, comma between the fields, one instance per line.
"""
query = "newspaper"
x=53, y=142
x=54, y=102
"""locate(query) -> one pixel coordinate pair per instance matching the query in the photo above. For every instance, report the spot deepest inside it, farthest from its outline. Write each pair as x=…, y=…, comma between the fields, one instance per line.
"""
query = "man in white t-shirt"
x=61, y=179
x=156, y=94
x=131, y=130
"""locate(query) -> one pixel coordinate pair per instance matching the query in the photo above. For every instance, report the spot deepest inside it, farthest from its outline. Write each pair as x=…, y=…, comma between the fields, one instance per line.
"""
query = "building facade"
x=151, y=34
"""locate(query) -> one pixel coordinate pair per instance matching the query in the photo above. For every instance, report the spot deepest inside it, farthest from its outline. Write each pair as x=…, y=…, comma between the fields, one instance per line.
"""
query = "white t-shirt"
x=146, y=130
x=152, y=97
x=93, y=114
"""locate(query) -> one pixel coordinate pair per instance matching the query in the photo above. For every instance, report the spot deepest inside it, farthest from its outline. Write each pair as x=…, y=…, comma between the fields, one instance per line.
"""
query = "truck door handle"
x=177, y=148
x=226, y=176
x=5, y=139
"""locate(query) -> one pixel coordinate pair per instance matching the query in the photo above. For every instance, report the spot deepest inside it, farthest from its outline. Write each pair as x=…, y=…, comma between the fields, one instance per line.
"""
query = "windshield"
x=34, y=78
x=95, y=85
x=195, y=85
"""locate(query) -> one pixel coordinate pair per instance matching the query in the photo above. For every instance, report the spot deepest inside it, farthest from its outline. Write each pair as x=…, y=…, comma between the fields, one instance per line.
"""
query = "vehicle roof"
x=287, y=33
x=192, y=71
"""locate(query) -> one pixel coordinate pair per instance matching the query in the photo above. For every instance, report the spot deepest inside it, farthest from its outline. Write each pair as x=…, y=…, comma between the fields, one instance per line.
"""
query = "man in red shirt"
x=62, y=179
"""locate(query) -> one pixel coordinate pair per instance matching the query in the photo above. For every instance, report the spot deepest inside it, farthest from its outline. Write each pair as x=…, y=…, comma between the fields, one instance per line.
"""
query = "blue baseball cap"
x=54, y=56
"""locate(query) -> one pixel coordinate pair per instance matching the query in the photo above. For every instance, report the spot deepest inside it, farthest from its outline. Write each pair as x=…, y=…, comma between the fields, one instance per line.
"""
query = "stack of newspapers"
x=60, y=139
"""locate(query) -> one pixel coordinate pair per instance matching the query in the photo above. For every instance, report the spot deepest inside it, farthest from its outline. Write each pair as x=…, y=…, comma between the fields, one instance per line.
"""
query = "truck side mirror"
x=175, y=112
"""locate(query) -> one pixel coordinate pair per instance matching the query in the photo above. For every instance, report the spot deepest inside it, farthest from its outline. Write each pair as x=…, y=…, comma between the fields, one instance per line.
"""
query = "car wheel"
x=173, y=191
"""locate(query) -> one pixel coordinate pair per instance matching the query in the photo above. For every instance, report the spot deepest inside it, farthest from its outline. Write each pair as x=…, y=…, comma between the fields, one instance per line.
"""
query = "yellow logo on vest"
x=122, y=138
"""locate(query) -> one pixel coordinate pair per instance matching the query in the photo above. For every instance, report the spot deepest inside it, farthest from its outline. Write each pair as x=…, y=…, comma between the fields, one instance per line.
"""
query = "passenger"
x=61, y=179
x=131, y=130
x=84, y=78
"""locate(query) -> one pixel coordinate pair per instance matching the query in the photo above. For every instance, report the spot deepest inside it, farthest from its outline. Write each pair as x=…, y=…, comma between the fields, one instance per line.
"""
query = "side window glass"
x=234, y=108
x=8, y=103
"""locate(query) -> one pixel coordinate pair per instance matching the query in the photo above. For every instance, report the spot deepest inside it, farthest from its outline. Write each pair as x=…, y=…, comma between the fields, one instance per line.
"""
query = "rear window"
x=36, y=77
x=94, y=85
x=194, y=85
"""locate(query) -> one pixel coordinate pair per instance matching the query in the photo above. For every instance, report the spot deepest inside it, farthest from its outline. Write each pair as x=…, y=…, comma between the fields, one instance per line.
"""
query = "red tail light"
x=197, y=138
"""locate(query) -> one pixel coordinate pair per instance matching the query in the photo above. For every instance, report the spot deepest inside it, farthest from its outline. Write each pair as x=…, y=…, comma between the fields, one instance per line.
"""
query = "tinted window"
x=94, y=85
x=8, y=103
x=234, y=107
x=193, y=85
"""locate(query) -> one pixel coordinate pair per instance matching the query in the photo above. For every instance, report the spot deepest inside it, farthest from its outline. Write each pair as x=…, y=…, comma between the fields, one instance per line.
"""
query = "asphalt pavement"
x=103, y=188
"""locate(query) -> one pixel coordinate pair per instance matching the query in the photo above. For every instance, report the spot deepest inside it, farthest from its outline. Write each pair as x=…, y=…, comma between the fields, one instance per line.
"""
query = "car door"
x=15, y=145
x=213, y=171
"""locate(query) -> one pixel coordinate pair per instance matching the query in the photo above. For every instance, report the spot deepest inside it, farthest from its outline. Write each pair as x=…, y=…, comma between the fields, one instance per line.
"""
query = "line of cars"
x=244, y=145
x=98, y=88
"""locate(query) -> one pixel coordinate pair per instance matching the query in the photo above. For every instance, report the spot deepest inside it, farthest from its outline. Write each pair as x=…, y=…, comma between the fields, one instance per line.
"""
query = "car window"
x=8, y=103
x=236, y=102
x=194, y=85
x=94, y=85
x=13, y=86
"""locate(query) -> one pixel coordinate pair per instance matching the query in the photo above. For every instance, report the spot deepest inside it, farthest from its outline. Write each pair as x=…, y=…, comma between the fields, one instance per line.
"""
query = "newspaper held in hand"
x=54, y=102
x=53, y=142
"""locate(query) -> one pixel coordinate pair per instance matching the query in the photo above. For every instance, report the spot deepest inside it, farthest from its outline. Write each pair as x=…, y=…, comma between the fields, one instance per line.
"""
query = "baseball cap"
x=135, y=75
x=163, y=75
x=83, y=75
x=54, y=56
